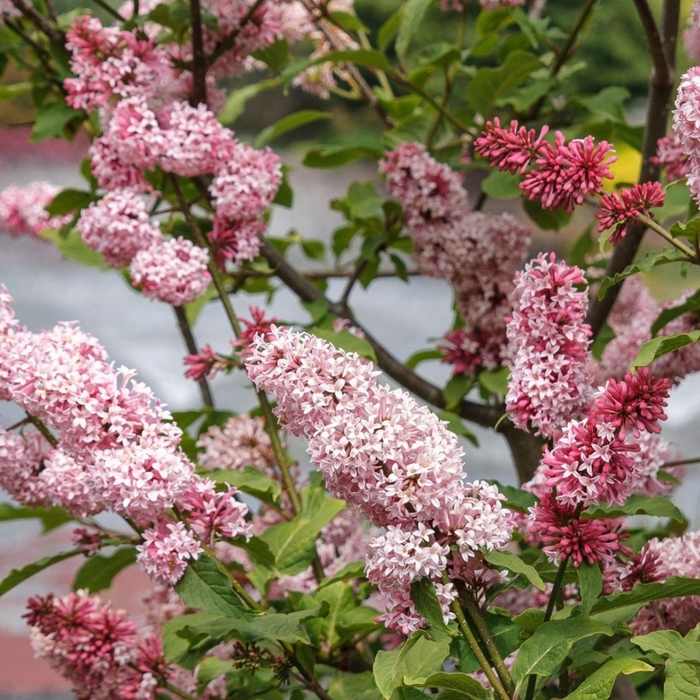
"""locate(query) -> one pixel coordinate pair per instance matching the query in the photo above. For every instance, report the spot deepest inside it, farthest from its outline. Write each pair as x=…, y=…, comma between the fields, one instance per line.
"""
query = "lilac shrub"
x=374, y=569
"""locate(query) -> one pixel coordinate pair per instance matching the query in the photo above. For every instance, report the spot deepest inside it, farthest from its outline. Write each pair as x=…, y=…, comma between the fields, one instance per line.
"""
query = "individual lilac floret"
x=550, y=382
x=174, y=271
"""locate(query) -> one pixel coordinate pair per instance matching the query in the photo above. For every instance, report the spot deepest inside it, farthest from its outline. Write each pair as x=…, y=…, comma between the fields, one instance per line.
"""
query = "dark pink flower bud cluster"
x=95, y=647
x=618, y=208
x=386, y=455
x=548, y=339
x=557, y=175
x=672, y=157
x=205, y=363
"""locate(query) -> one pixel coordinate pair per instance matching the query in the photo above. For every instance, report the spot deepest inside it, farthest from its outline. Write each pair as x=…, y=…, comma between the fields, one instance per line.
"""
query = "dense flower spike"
x=23, y=209
x=618, y=208
x=686, y=125
x=165, y=551
x=550, y=381
x=116, y=449
x=477, y=253
x=671, y=157
x=118, y=226
x=380, y=451
x=428, y=190
x=691, y=35
x=241, y=442
x=673, y=556
x=173, y=270
x=93, y=646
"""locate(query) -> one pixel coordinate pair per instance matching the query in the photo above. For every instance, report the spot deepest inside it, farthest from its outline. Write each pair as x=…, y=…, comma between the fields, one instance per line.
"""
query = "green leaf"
x=333, y=156
x=288, y=123
x=52, y=119
x=292, y=543
x=353, y=570
x=692, y=303
x=187, y=638
x=98, y=572
x=206, y=587
x=657, y=347
x=212, y=667
x=274, y=56
x=51, y=518
x=422, y=356
x=362, y=200
x=462, y=685
x=501, y=185
x=348, y=21
x=455, y=390
x=516, y=499
x=495, y=381
x=17, y=576
x=658, y=506
x=491, y=84
x=347, y=341
x=590, y=581
x=507, y=560
x=416, y=658
x=250, y=481
x=390, y=28
x=598, y=685
x=609, y=102
x=643, y=593
x=427, y=604
x=648, y=262
x=351, y=687
x=9, y=92
x=72, y=247
x=67, y=201
x=547, y=219
x=314, y=250
x=543, y=653
x=237, y=99
x=411, y=23
x=683, y=661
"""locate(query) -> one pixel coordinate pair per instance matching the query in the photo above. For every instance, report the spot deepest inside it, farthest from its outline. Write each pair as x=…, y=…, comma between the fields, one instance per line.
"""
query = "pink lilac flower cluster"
x=657, y=560
x=686, y=126
x=672, y=157
x=592, y=463
x=240, y=442
x=95, y=647
x=384, y=454
x=116, y=448
x=557, y=175
x=617, y=209
x=477, y=253
x=631, y=319
x=548, y=342
x=23, y=209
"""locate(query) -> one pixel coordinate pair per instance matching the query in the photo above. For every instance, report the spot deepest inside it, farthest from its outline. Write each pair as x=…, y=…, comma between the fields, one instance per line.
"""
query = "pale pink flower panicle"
x=118, y=226
x=166, y=550
x=672, y=157
x=426, y=189
x=174, y=271
x=23, y=209
x=548, y=341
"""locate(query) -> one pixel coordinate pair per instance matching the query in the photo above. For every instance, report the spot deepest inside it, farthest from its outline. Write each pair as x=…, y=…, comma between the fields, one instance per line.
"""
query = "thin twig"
x=661, y=231
x=655, y=44
x=39, y=425
x=658, y=108
x=40, y=22
x=228, y=41
x=199, y=61
x=191, y=344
